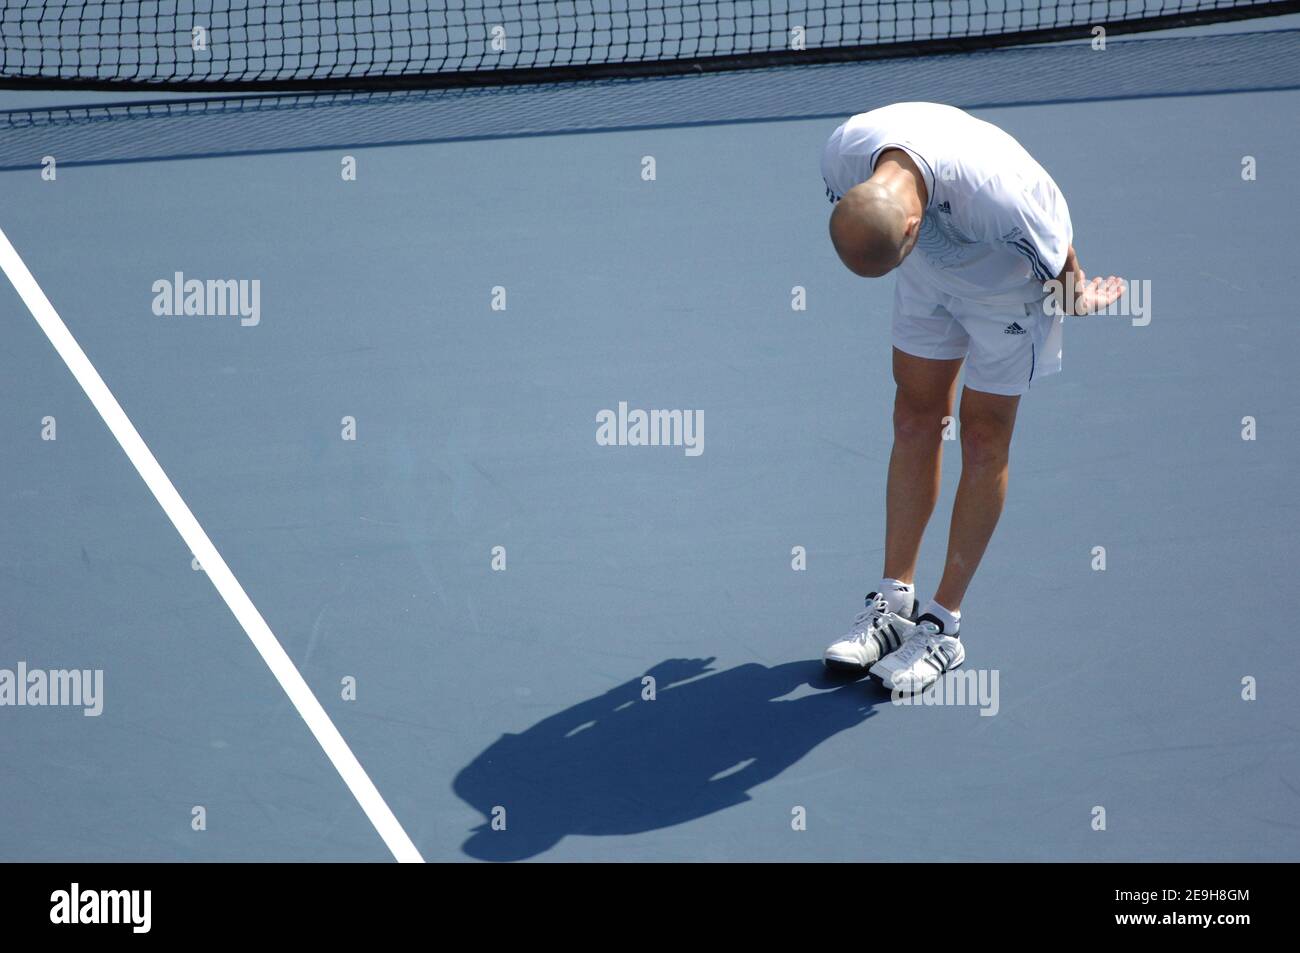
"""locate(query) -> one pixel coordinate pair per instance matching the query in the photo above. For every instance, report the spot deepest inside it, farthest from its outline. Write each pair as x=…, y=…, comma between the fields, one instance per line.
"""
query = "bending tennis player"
x=975, y=228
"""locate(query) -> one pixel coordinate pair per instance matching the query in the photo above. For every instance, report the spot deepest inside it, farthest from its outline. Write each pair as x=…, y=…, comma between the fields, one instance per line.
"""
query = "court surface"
x=479, y=687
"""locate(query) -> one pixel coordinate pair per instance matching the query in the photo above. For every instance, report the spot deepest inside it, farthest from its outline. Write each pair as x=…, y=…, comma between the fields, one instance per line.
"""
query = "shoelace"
x=923, y=636
x=866, y=621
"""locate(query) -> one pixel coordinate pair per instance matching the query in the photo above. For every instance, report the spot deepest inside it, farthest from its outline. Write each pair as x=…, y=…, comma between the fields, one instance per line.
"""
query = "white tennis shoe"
x=926, y=655
x=875, y=633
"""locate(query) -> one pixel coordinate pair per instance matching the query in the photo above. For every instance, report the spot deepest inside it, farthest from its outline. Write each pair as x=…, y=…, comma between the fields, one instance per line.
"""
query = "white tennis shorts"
x=1007, y=341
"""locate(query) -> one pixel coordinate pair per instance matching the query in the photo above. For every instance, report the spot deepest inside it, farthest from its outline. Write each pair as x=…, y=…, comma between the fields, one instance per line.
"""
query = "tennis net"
x=320, y=44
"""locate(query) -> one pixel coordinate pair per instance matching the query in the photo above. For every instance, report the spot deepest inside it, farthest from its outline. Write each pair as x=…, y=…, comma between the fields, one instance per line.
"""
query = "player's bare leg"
x=925, y=394
x=987, y=421
x=932, y=646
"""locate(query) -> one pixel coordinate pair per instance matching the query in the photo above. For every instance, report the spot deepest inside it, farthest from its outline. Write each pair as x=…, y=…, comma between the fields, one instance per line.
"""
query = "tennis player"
x=976, y=230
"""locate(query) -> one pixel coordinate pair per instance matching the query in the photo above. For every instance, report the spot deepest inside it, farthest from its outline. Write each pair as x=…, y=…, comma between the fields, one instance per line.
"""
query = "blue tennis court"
x=368, y=336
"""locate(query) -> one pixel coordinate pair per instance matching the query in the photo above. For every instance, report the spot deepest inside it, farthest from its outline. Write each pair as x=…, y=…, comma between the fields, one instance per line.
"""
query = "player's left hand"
x=1098, y=293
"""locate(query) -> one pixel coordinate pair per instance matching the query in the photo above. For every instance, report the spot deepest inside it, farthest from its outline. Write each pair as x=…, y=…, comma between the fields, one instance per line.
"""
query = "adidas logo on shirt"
x=1014, y=328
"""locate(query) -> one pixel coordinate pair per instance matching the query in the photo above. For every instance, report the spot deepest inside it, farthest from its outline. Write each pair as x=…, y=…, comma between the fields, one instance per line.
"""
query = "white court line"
x=282, y=667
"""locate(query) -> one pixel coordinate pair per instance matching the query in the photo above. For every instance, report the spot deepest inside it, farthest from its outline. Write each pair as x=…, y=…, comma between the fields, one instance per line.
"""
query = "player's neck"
x=896, y=171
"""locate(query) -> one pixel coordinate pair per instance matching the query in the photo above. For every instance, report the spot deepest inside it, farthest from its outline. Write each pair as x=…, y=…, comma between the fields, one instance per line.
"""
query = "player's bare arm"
x=1081, y=296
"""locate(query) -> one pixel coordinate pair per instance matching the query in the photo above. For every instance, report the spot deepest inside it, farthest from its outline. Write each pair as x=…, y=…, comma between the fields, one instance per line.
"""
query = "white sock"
x=951, y=620
x=901, y=596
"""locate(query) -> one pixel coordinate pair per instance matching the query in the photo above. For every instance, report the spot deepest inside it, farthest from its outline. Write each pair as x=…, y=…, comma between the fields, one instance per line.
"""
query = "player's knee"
x=919, y=421
x=985, y=443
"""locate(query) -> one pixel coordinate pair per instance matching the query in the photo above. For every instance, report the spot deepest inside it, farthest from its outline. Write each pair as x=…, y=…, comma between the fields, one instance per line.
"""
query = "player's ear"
x=910, y=234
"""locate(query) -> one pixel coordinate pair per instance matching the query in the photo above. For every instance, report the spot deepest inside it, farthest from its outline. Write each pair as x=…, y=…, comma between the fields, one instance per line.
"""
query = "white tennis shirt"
x=995, y=222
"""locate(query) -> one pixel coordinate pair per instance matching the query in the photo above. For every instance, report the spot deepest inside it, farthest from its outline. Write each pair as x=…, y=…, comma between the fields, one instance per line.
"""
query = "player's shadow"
x=620, y=764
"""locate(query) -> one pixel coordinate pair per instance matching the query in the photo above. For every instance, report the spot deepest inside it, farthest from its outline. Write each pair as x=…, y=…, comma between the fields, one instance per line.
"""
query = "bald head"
x=869, y=228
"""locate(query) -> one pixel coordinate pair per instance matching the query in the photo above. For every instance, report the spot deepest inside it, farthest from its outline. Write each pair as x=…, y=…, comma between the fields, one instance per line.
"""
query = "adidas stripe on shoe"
x=874, y=634
x=925, y=656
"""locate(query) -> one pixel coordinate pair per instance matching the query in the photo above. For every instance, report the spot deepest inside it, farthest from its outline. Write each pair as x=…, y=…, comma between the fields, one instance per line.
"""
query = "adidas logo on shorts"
x=1014, y=328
